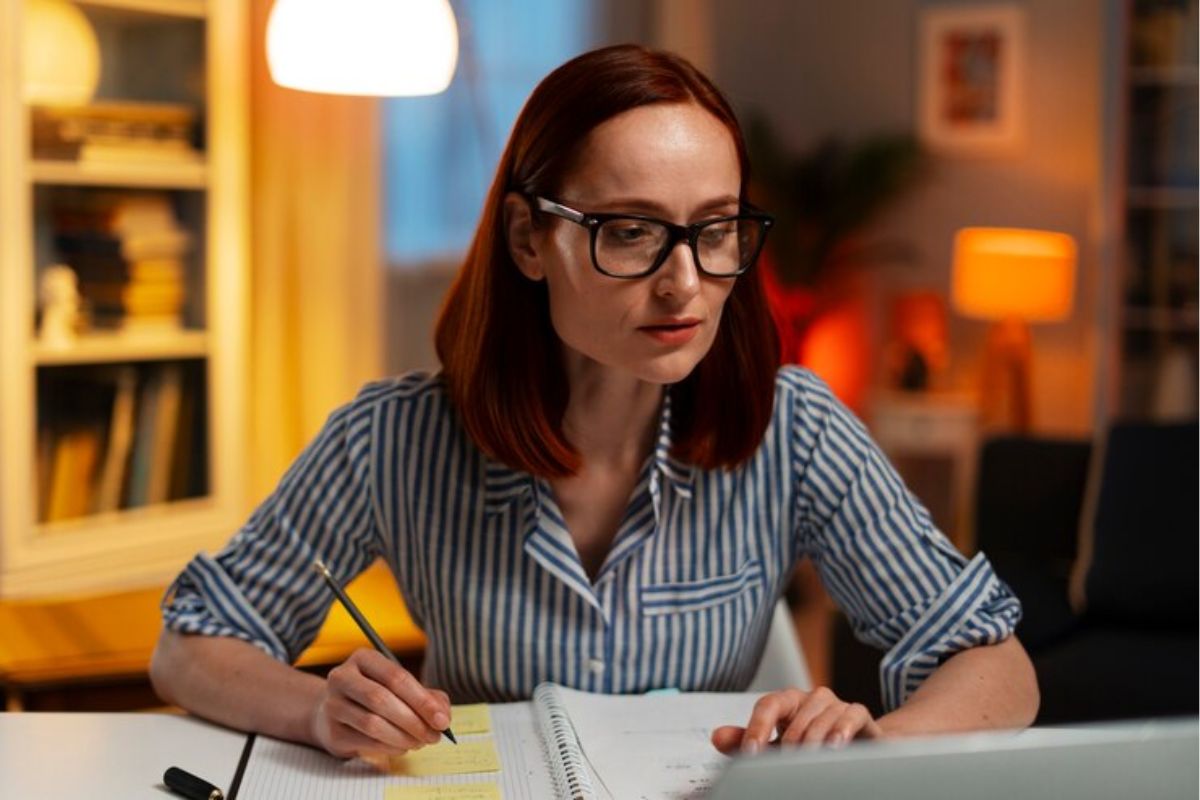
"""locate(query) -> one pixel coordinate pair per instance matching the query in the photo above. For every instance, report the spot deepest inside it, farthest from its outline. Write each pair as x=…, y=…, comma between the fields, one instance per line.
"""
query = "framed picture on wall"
x=971, y=73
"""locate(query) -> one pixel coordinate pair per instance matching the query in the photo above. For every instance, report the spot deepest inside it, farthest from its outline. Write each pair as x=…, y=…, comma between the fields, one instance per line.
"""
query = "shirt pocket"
x=680, y=598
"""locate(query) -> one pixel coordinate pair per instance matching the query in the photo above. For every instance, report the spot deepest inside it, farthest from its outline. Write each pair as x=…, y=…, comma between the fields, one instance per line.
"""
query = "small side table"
x=932, y=438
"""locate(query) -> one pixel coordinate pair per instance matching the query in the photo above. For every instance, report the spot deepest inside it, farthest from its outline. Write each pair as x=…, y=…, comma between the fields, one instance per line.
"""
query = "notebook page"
x=285, y=771
x=653, y=747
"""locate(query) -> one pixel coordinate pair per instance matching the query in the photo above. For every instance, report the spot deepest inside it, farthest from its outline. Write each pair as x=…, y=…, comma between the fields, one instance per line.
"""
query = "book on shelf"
x=119, y=441
x=128, y=251
x=108, y=131
x=157, y=431
x=149, y=244
x=116, y=212
x=76, y=452
x=165, y=434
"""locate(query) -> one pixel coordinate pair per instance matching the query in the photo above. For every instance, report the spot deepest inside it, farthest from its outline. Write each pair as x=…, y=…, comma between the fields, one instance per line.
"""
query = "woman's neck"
x=611, y=417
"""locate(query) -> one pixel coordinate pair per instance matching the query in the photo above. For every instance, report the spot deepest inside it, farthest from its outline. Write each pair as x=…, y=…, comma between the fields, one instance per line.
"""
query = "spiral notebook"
x=564, y=743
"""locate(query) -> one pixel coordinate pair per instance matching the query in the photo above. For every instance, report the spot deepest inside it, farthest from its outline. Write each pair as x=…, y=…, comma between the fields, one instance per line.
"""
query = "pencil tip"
x=449, y=734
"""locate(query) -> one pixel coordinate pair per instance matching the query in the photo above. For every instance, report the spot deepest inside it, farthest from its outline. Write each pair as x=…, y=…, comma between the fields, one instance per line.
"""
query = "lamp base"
x=1005, y=385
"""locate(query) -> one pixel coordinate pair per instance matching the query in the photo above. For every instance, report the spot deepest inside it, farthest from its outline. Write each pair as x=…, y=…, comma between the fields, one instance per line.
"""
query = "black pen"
x=189, y=786
x=363, y=624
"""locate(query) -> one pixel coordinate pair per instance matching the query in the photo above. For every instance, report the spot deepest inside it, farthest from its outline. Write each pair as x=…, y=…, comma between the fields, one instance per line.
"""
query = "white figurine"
x=60, y=306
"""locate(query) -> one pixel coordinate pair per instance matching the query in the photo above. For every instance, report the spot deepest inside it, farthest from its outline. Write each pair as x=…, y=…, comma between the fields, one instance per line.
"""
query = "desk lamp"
x=1012, y=277
x=363, y=47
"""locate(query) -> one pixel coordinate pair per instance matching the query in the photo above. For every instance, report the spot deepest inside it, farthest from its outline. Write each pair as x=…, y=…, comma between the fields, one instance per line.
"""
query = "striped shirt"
x=684, y=598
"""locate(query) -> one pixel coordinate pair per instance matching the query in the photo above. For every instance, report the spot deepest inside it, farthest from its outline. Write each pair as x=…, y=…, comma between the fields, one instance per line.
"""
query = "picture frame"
x=971, y=76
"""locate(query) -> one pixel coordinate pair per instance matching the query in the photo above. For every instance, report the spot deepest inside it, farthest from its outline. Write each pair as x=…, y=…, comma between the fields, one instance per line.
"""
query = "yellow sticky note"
x=470, y=719
x=454, y=791
x=447, y=759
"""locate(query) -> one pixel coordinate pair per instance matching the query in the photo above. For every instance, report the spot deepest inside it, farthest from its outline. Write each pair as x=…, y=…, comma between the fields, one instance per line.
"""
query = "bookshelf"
x=1152, y=202
x=122, y=447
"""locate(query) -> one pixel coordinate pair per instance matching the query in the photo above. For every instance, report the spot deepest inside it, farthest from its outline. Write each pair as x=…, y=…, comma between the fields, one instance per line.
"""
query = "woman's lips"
x=674, y=332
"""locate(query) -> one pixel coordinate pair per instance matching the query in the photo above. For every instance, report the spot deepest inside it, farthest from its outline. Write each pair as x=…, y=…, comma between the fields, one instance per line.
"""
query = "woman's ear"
x=519, y=236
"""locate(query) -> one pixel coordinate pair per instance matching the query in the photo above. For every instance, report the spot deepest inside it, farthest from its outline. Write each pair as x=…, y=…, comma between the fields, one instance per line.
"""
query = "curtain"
x=316, y=274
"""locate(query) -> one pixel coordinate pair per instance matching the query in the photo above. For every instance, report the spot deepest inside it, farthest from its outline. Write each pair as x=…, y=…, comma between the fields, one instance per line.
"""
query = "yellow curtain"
x=316, y=277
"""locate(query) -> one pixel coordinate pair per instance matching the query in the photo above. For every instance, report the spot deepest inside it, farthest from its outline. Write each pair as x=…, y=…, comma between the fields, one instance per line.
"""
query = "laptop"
x=1143, y=760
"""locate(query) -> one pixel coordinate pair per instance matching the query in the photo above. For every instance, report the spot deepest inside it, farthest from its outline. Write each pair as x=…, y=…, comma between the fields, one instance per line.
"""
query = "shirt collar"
x=503, y=485
x=678, y=473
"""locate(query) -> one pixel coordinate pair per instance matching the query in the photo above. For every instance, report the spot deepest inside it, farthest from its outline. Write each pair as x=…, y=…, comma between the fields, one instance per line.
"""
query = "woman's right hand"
x=372, y=706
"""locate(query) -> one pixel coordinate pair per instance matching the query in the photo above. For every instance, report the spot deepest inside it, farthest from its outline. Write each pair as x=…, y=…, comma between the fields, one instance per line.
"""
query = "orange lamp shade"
x=1002, y=273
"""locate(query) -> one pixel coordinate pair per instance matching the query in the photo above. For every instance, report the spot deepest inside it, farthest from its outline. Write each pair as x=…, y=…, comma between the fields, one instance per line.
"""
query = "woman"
x=609, y=484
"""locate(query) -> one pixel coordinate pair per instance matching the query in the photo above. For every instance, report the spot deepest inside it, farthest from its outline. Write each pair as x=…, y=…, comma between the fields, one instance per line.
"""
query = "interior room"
x=221, y=219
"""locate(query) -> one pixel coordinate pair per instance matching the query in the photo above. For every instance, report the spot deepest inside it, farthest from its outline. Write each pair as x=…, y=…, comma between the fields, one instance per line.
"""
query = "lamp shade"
x=1002, y=273
x=363, y=47
x=61, y=55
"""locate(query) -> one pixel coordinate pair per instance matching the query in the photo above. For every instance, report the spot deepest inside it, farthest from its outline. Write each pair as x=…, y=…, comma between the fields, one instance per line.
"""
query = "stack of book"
x=125, y=132
x=119, y=437
x=128, y=251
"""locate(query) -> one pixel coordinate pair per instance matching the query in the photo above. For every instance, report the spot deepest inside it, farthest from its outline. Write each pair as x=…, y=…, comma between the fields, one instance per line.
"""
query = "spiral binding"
x=571, y=778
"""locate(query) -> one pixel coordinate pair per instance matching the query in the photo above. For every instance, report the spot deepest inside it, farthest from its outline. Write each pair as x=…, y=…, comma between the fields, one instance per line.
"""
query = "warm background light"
x=1012, y=277
x=363, y=47
x=1010, y=272
x=61, y=54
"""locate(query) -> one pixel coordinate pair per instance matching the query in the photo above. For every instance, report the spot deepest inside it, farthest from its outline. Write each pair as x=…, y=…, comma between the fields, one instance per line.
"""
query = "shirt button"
x=596, y=666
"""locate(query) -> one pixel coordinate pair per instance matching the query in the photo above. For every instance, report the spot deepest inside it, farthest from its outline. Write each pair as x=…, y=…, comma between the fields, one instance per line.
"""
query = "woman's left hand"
x=800, y=717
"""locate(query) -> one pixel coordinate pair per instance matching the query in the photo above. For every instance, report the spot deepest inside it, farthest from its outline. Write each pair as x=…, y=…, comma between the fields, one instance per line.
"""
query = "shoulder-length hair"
x=501, y=358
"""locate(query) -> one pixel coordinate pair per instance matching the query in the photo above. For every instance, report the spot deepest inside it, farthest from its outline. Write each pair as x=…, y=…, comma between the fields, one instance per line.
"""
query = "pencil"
x=363, y=624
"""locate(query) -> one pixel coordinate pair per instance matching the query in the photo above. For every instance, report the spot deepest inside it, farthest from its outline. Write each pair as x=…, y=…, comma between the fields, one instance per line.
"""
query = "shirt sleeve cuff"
x=975, y=609
x=205, y=600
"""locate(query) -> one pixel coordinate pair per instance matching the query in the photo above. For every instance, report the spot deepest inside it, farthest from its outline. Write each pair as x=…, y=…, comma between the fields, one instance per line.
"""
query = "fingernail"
x=837, y=740
x=751, y=746
x=441, y=721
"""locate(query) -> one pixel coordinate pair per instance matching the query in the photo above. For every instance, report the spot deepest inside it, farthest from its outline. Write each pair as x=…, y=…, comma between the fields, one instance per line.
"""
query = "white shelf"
x=1160, y=319
x=1174, y=75
x=156, y=176
x=101, y=348
x=197, y=9
x=1163, y=197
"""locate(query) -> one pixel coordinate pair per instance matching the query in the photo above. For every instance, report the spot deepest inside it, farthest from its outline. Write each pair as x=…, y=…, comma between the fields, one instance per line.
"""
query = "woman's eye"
x=628, y=234
x=716, y=234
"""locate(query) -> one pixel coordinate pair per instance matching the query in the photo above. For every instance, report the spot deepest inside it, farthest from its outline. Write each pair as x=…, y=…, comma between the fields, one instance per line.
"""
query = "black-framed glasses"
x=634, y=246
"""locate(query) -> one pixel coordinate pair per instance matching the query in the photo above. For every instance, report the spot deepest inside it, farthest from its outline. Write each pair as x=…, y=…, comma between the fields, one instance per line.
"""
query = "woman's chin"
x=667, y=369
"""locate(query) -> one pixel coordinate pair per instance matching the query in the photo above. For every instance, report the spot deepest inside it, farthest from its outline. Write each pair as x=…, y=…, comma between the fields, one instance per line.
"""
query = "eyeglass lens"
x=631, y=246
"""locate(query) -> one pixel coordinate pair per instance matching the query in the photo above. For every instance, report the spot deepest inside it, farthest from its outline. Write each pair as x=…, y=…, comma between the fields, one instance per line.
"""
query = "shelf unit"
x=1151, y=203
x=197, y=49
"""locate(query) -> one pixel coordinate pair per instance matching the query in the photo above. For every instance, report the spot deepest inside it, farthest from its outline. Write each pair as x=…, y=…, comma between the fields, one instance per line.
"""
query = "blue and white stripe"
x=684, y=599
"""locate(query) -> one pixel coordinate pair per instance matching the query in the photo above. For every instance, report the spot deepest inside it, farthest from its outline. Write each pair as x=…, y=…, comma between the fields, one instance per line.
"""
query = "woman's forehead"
x=676, y=151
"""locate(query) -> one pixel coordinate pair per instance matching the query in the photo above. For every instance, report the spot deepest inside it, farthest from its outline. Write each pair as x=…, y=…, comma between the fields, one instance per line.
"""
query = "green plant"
x=822, y=199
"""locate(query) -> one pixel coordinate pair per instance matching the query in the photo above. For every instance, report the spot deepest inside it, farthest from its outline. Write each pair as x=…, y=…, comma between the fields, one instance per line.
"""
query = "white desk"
x=64, y=755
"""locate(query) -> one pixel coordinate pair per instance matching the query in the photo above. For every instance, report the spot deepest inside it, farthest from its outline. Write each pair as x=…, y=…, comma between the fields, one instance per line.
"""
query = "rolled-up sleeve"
x=901, y=583
x=261, y=587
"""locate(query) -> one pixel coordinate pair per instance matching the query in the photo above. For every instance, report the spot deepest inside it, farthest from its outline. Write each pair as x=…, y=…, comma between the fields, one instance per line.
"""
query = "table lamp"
x=1012, y=277
x=399, y=48
x=61, y=55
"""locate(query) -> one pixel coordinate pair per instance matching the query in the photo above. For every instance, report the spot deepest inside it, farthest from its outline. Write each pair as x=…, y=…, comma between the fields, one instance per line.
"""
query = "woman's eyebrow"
x=652, y=207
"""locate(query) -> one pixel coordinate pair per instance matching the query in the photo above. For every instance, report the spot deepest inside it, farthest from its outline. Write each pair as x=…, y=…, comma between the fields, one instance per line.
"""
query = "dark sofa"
x=1134, y=650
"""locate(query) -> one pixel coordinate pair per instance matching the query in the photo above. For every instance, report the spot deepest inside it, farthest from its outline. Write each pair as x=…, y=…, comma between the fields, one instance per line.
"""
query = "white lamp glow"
x=363, y=47
x=62, y=56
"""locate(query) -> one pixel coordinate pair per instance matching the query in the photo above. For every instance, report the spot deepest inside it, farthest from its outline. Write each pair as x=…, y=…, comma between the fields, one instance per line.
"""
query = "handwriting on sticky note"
x=470, y=719
x=455, y=791
x=447, y=759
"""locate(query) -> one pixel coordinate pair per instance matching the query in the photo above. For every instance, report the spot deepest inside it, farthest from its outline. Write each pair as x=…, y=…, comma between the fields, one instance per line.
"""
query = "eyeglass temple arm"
x=551, y=207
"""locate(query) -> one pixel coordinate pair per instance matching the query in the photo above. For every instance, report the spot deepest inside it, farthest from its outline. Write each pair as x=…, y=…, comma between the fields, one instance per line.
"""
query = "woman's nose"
x=679, y=275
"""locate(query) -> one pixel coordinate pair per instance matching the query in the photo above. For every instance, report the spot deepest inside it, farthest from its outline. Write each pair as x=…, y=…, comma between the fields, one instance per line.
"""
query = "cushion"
x=1146, y=528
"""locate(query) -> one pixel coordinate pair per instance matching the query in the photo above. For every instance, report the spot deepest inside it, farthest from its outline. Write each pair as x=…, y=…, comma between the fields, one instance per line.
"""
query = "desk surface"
x=110, y=755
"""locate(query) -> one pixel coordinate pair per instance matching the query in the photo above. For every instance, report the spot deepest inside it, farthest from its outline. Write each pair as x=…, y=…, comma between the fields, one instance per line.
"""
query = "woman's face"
x=676, y=162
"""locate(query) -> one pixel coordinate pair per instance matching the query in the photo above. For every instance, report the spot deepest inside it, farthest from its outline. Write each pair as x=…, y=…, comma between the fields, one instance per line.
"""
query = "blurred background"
x=210, y=237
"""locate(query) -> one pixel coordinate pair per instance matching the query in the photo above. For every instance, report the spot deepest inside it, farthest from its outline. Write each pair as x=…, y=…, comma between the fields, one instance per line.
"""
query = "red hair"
x=501, y=358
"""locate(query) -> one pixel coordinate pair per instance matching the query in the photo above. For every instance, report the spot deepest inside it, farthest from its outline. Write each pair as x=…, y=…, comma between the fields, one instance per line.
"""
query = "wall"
x=847, y=69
